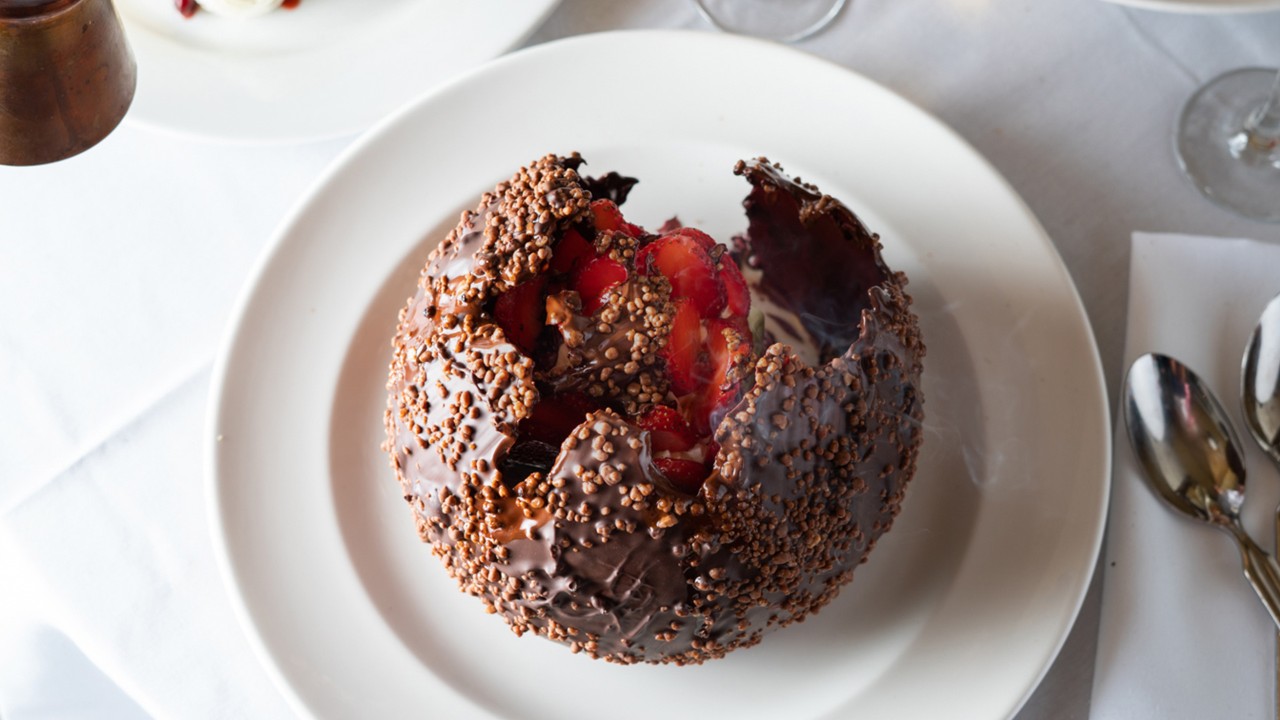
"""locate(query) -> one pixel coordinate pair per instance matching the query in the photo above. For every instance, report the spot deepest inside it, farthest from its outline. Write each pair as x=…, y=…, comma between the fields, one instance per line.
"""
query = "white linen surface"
x=118, y=268
x=1182, y=633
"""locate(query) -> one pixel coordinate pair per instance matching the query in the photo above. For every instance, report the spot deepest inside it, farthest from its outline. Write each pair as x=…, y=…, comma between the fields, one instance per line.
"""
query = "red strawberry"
x=572, y=252
x=554, y=417
x=687, y=475
x=681, y=350
x=595, y=279
x=606, y=216
x=728, y=352
x=684, y=262
x=713, y=449
x=697, y=236
x=521, y=312
x=667, y=429
x=670, y=226
x=736, y=292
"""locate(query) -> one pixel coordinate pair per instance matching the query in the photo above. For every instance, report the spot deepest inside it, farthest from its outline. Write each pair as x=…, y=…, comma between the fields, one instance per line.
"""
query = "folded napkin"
x=1182, y=634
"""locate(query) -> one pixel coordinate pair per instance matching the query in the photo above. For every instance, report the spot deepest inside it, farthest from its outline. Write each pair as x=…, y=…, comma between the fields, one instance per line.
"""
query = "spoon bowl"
x=1260, y=381
x=1180, y=434
x=1190, y=456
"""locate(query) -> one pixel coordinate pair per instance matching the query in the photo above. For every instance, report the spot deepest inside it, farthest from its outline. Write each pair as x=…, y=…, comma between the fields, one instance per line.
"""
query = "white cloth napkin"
x=1182, y=634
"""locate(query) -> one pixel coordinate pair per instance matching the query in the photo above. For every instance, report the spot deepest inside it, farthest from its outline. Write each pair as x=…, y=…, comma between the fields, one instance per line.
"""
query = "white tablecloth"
x=117, y=270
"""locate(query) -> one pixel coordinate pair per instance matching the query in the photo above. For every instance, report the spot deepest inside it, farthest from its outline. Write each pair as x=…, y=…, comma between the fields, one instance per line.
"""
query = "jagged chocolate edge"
x=601, y=553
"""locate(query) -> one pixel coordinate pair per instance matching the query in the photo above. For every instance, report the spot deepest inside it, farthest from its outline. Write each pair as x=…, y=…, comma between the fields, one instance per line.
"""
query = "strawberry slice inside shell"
x=683, y=261
x=606, y=216
x=737, y=294
x=595, y=279
x=553, y=418
x=521, y=312
x=668, y=430
x=683, y=346
x=572, y=252
x=687, y=475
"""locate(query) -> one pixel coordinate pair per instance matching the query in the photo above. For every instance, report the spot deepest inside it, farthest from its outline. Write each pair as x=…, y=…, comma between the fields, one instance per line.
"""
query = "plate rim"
x=270, y=663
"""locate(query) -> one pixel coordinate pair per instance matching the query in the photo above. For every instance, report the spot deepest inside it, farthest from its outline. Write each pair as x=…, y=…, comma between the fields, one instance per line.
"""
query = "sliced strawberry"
x=683, y=344
x=606, y=216
x=712, y=450
x=737, y=295
x=667, y=429
x=728, y=352
x=521, y=312
x=572, y=252
x=684, y=262
x=687, y=475
x=595, y=279
x=703, y=239
x=553, y=418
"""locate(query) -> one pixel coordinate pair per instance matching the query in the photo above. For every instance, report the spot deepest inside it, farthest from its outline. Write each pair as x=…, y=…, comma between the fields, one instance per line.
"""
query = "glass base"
x=1232, y=169
x=781, y=20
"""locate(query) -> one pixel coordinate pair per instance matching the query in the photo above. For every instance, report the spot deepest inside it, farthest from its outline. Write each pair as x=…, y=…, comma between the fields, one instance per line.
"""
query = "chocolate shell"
x=599, y=551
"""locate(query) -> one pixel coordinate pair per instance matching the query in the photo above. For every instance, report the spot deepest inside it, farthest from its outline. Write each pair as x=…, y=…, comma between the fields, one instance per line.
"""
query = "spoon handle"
x=1262, y=572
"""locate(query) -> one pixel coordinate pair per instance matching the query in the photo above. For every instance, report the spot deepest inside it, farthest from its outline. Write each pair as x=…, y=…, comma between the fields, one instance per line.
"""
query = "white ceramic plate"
x=1203, y=6
x=327, y=68
x=963, y=605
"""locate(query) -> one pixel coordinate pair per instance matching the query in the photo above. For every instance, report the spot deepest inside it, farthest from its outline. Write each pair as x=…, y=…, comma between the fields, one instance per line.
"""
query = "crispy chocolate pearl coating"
x=601, y=552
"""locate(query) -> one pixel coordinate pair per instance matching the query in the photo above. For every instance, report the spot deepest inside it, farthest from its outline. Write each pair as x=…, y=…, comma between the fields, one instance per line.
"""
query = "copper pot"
x=66, y=78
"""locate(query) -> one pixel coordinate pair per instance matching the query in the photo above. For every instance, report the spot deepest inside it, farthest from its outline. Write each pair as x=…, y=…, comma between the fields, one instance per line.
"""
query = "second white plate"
x=963, y=605
x=325, y=69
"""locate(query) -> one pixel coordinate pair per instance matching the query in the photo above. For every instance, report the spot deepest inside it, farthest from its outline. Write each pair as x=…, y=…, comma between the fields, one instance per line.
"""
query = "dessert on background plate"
x=649, y=446
x=233, y=8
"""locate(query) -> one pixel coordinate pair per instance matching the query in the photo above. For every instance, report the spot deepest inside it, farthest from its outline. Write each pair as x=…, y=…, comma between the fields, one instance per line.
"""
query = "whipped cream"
x=239, y=8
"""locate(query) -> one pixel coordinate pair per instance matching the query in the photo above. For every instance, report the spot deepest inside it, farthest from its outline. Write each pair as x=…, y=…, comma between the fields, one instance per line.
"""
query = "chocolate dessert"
x=603, y=441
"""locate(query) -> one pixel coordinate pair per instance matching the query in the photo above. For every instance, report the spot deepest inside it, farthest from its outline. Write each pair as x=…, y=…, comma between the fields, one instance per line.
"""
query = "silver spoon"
x=1190, y=453
x=1260, y=397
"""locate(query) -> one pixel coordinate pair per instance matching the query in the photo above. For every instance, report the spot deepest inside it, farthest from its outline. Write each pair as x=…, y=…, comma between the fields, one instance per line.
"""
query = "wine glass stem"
x=1263, y=126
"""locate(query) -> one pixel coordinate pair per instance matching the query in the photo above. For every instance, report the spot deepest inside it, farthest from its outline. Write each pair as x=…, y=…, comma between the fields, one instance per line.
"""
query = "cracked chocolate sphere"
x=651, y=446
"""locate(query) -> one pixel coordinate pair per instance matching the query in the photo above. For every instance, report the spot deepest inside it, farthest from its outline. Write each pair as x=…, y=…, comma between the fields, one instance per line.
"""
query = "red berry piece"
x=683, y=261
x=606, y=216
x=670, y=226
x=686, y=475
x=553, y=418
x=704, y=240
x=595, y=279
x=713, y=449
x=186, y=7
x=521, y=312
x=683, y=345
x=667, y=429
x=737, y=295
x=729, y=353
x=572, y=252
